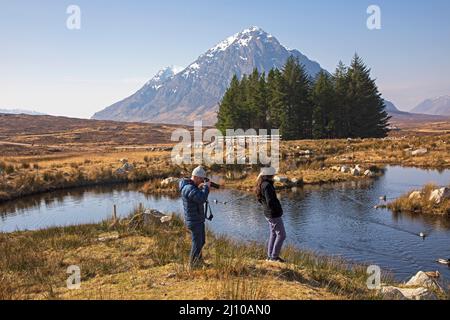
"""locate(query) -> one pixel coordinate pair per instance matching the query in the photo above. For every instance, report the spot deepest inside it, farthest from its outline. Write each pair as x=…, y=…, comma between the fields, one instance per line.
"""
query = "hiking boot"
x=279, y=260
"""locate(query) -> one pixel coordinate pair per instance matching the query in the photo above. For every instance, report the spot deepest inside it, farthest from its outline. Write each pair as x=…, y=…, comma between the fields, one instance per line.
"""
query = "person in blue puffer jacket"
x=194, y=193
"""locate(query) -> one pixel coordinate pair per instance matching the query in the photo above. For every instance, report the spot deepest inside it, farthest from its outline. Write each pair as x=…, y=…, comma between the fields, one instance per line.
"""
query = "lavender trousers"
x=277, y=237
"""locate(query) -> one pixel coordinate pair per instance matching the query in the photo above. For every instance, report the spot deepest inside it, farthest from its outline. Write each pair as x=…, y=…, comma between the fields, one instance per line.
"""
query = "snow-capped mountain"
x=439, y=106
x=195, y=92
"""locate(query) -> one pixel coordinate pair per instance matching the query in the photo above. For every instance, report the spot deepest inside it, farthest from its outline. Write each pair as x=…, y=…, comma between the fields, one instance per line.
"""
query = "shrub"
x=9, y=169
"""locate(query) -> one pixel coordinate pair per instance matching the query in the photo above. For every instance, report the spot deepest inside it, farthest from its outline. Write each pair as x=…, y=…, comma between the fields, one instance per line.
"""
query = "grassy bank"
x=24, y=176
x=149, y=261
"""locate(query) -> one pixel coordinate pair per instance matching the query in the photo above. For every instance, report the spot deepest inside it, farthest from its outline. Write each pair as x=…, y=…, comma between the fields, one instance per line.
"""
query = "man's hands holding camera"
x=206, y=183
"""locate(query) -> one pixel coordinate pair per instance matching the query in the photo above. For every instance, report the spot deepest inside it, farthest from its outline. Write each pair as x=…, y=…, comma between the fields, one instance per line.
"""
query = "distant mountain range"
x=439, y=106
x=21, y=111
x=401, y=117
x=194, y=93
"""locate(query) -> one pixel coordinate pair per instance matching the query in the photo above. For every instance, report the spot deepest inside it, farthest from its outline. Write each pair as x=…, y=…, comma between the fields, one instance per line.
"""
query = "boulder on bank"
x=281, y=179
x=355, y=172
x=296, y=181
x=420, y=287
x=422, y=279
x=125, y=168
x=395, y=293
x=369, y=173
x=419, y=152
x=169, y=181
x=392, y=293
x=440, y=195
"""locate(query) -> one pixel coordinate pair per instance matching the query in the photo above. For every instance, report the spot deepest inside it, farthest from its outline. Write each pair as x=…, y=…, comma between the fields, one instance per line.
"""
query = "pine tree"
x=256, y=100
x=342, y=111
x=228, y=115
x=323, y=100
x=297, y=113
x=275, y=99
x=368, y=116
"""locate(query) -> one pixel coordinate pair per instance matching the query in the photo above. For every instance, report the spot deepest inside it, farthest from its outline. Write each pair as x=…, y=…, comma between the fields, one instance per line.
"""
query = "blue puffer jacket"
x=194, y=201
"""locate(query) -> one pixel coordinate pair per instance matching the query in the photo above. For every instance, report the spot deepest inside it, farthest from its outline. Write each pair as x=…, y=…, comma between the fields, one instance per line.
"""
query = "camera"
x=213, y=184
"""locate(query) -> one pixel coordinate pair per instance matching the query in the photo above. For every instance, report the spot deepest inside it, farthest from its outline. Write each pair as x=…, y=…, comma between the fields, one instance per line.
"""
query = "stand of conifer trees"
x=346, y=104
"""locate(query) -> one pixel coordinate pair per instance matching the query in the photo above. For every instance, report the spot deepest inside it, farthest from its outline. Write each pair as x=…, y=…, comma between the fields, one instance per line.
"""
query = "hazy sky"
x=46, y=67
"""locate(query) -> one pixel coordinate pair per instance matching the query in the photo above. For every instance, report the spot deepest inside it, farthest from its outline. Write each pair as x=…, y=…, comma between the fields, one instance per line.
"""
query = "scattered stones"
x=419, y=152
x=336, y=168
x=439, y=195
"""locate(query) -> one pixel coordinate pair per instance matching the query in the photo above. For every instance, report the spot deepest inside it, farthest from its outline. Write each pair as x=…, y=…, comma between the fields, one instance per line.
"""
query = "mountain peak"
x=241, y=39
x=195, y=92
x=435, y=106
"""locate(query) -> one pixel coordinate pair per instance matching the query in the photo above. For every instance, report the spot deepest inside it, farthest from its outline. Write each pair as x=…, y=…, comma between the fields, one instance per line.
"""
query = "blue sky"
x=46, y=67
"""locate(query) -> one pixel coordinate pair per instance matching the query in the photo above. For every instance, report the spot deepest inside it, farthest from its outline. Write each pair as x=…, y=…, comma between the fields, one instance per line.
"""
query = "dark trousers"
x=198, y=240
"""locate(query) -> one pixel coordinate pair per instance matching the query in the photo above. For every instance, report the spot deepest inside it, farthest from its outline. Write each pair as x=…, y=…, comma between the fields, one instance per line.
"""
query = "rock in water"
x=439, y=195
